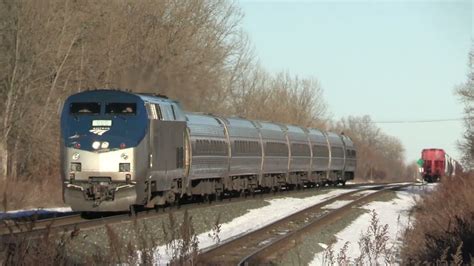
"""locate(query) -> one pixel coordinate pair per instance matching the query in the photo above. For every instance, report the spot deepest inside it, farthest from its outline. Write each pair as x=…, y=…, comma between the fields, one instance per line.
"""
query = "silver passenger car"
x=209, y=147
x=350, y=155
x=246, y=147
x=276, y=151
x=300, y=151
x=321, y=158
x=336, y=167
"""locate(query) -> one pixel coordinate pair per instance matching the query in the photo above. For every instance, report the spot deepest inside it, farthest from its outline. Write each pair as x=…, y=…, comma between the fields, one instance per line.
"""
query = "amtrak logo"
x=99, y=130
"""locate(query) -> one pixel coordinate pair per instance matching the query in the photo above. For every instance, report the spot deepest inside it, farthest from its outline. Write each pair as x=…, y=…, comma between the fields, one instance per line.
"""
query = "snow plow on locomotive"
x=121, y=149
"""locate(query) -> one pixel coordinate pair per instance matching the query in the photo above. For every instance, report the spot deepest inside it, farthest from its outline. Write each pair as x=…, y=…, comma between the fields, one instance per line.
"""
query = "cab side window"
x=167, y=112
x=158, y=112
x=153, y=111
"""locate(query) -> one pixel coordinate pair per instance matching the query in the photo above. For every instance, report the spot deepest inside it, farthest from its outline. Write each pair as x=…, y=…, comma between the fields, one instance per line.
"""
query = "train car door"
x=168, y=153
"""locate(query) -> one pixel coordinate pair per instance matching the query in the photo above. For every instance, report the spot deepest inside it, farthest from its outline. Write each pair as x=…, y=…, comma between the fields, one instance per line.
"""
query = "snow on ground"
x=30, y=212
x=258, y=218
x=362, y=193
x=395, y=213
x=337, y=204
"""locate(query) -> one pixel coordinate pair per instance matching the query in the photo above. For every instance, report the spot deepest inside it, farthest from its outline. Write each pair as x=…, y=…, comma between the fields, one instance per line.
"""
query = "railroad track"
x=30, y=223
x=77, y=222
x=254, y=247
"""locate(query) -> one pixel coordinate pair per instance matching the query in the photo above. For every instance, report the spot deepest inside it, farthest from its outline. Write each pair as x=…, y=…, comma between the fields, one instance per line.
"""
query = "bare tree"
x=379, y=156
x=465, y=93
x=281, y=98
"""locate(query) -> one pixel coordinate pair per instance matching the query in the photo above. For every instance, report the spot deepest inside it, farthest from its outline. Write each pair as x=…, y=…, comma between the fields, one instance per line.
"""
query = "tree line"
x=195, y=51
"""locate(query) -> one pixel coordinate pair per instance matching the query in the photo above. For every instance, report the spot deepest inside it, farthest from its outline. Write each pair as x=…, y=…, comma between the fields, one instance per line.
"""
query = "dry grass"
x=181, y=240
x=141, y=248
x=30, y=194
x=128, y=252
x=443, y=230
x=40, y=249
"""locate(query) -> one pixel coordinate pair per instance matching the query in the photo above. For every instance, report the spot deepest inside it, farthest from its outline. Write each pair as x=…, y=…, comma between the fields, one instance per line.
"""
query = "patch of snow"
x=337, y=204
x=395, y=213
x=363, y=193
x=323, y=245
x=257, y=218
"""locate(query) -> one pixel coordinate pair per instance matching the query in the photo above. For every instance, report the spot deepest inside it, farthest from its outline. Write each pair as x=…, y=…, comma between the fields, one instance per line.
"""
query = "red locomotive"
x=437, y=164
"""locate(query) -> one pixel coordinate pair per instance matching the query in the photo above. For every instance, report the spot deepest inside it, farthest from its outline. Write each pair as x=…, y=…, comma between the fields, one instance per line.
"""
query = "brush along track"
x=76, y=221
x=250, y=248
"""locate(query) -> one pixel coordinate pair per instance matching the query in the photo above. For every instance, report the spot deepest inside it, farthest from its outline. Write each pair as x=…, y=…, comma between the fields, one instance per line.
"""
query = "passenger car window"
x=84, y=108
x=320, y=151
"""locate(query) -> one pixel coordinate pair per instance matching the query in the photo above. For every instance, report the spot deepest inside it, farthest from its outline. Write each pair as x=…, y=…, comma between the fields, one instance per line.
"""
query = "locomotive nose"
x=118, y=164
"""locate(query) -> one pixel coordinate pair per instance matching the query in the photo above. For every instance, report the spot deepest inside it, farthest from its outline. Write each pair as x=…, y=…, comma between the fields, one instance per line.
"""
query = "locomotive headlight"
x=76, y=167
x=124, y=167
x=76, y=156
x=95, y=145
x=104, y=145
x=124, y=156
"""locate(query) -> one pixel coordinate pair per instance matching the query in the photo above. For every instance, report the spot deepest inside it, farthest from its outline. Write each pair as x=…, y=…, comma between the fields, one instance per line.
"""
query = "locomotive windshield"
x=116, y=117
x=121, y=108
x=85, y=108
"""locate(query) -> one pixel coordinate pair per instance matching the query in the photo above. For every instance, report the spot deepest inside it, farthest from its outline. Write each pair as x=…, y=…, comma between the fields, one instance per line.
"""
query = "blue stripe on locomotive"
x=126, y=129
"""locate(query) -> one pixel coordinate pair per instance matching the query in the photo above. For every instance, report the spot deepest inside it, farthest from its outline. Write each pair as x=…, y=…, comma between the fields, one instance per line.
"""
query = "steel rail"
x=26, y=221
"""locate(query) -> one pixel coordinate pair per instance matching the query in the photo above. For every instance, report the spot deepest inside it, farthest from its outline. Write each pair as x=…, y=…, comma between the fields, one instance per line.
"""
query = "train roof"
x=146, y=97
x=239, y=122
x=296, y=129
x=433, y=149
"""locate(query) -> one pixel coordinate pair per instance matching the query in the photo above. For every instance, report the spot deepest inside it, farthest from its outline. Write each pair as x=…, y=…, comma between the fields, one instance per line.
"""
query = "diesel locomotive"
x=120, y=150
x=437, y=164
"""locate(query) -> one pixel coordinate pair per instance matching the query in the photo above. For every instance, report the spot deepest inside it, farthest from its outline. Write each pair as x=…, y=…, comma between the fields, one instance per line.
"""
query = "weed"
x=181, y=240
x=328, y=256
x=374, y=246
x=216, y=230
x=342, y=256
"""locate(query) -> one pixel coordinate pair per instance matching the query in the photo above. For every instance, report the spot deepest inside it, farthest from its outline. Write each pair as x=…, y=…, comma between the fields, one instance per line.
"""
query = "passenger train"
x=120, y=150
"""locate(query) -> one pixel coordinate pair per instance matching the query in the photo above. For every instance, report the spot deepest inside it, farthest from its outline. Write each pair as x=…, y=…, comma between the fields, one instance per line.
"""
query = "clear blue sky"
x=392, y=60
